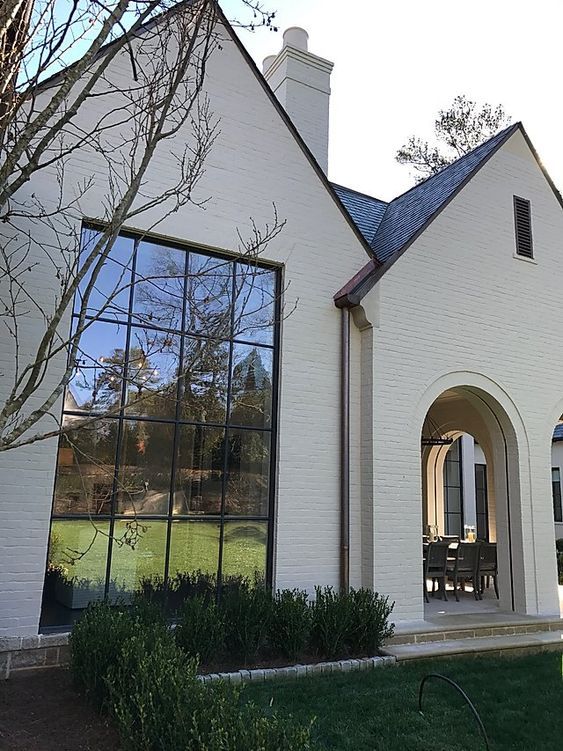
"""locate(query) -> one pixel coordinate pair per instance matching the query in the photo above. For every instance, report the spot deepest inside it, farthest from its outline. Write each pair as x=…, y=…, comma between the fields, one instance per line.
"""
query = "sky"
x=397, y=63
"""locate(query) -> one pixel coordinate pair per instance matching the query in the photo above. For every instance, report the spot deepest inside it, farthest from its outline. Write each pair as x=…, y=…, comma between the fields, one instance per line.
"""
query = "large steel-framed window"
x=482, y=502
x=172, y=408
x=453, y=490
x=556, y=491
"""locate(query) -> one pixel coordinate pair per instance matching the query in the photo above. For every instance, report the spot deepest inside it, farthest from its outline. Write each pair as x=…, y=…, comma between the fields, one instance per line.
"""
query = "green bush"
x=201, y=628
x=95, y=644
x=158, y=703
x=149, y=686
x=247, y=614
x=331, y=621
x=559, y=545
x=369, y=622
x=290, y=625
x=349, y=624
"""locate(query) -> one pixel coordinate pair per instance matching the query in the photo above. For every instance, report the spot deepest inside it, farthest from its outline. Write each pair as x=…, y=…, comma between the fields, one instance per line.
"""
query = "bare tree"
x=458, y=130
x=46, y=125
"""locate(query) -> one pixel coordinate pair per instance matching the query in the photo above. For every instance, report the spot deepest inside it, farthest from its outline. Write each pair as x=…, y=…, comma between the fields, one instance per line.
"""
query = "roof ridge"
x=502, y=136
x=358, y=192
x=459, y=158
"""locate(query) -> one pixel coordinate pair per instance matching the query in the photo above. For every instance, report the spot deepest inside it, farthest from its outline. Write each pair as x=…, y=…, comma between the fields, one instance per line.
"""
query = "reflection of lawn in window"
x=193, y=546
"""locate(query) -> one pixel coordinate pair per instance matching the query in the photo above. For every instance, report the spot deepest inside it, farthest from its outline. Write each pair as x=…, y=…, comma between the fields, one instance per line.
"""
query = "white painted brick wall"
x=458, y=301
x=255, y=162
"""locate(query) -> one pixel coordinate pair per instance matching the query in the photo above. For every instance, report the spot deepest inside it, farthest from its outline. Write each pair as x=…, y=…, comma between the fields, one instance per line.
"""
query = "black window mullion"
x=226, y=438
x=120, y=426
x=274, y=430
x=179, y=394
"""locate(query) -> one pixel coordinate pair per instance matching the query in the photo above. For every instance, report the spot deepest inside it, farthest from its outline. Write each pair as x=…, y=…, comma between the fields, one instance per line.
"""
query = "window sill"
x=525, y=259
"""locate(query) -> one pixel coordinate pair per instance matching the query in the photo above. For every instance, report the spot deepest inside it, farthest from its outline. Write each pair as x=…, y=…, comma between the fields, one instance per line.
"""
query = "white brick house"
x=439, y=314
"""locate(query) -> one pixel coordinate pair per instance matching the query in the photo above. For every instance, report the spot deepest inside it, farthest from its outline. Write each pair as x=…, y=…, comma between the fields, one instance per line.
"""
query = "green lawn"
x=520, y=701
x=194, y=545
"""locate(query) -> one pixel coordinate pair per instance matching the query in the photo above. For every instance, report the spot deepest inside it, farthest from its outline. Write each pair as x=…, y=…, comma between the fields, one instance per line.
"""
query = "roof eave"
x=353, y=292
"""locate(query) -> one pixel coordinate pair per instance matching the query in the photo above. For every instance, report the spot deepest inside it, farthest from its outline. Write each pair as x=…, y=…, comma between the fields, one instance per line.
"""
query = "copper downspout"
x=345, y=450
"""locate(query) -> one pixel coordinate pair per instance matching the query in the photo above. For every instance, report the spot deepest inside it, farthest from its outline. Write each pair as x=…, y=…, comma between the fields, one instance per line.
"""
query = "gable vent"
x=523, y=224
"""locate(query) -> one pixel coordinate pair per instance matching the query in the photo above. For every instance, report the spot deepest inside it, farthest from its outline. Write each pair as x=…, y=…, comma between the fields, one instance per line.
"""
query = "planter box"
x=78, y=596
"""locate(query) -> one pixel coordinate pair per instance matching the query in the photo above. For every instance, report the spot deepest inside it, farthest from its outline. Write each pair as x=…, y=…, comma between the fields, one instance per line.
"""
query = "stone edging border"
x=51, y=650
x=259, y=675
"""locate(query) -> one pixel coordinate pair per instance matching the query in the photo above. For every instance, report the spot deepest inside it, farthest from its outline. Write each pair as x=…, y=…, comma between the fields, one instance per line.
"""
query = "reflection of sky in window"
x=100, y=359
x=208, y=295
x=152, y=369
x=159, y=285
x=255, y=291
x=153, y=358
x=111, y=290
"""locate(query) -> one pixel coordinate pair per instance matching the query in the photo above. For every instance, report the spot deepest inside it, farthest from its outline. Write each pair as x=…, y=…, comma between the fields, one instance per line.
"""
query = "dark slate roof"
x=366, y=211
x=558, y=432
x=409, y=213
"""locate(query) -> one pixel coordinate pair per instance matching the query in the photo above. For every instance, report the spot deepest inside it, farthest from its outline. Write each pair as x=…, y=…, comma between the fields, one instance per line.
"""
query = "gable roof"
x=408, y=215
x=366, y=211
x=411, y=212
x=222, y=18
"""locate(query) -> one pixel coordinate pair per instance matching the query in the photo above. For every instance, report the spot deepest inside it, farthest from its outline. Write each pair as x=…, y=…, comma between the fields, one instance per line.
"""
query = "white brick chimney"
x=301, y=83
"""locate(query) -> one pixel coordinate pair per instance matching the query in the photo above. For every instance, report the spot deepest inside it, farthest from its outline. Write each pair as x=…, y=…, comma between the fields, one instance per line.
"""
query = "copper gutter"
x=345, y=449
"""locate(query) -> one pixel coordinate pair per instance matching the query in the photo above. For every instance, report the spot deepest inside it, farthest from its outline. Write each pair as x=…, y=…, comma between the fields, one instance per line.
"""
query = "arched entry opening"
x=557, y=499
x=471, y=488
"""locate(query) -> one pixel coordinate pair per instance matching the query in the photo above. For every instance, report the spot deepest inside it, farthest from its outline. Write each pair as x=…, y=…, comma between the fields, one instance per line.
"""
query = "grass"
x=194, y=545
x=519, y=700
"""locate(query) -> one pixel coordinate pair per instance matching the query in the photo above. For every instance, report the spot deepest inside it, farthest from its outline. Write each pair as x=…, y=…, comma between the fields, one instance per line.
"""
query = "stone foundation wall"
x=32, y=652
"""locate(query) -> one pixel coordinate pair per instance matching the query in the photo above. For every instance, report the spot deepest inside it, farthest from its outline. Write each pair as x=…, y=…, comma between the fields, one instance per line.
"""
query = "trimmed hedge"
x=130, y=666
x=250, y=624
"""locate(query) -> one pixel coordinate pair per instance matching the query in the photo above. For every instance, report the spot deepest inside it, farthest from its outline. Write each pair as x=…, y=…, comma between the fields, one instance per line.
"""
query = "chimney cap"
x=297, y=37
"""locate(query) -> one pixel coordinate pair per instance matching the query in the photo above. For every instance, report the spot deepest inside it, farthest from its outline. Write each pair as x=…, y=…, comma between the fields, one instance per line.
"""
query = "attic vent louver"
x=523, y=224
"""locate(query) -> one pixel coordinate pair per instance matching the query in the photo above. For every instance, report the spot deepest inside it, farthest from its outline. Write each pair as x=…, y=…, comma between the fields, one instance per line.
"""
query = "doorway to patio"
x=469, y=474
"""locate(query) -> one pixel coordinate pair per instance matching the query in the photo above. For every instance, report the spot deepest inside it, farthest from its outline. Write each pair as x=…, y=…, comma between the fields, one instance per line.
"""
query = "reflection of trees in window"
x=160, y=274
x=85, y=468
x=199, y=471
x=255, y=291
x=209, y=295
x=248, y=472
x=205, y=374
x=251, y=386
x=145, y=467
x=170, y=439
x=152, y=373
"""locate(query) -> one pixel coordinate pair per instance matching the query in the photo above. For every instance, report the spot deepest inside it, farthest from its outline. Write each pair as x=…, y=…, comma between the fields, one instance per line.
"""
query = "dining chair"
x=449, y=538
x=488, y=566
x=435, y=565
x=465, y=567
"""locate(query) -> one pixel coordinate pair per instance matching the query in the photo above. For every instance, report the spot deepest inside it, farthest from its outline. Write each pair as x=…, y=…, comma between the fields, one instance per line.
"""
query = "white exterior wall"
x=457, y=308
x=255, y=161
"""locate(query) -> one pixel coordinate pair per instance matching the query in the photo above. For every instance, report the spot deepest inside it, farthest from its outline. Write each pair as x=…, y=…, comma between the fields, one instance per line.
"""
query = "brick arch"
x=485, y=410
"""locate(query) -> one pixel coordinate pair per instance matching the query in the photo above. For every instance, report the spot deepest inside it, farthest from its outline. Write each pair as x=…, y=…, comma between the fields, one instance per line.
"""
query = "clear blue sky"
x=398, y=63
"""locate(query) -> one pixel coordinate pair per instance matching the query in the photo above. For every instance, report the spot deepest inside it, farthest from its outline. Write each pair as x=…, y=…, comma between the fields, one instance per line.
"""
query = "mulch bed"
x=41, y=711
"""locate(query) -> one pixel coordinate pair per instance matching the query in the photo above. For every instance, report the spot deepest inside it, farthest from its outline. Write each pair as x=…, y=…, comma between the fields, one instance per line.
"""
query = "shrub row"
x=129, y=665
x=251, y=623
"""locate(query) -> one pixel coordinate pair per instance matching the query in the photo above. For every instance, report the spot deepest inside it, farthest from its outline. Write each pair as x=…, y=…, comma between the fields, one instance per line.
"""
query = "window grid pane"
x=185, y=459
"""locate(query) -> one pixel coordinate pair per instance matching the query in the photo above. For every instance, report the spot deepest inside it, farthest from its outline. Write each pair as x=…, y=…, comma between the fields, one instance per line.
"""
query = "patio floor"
x=439, y=614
